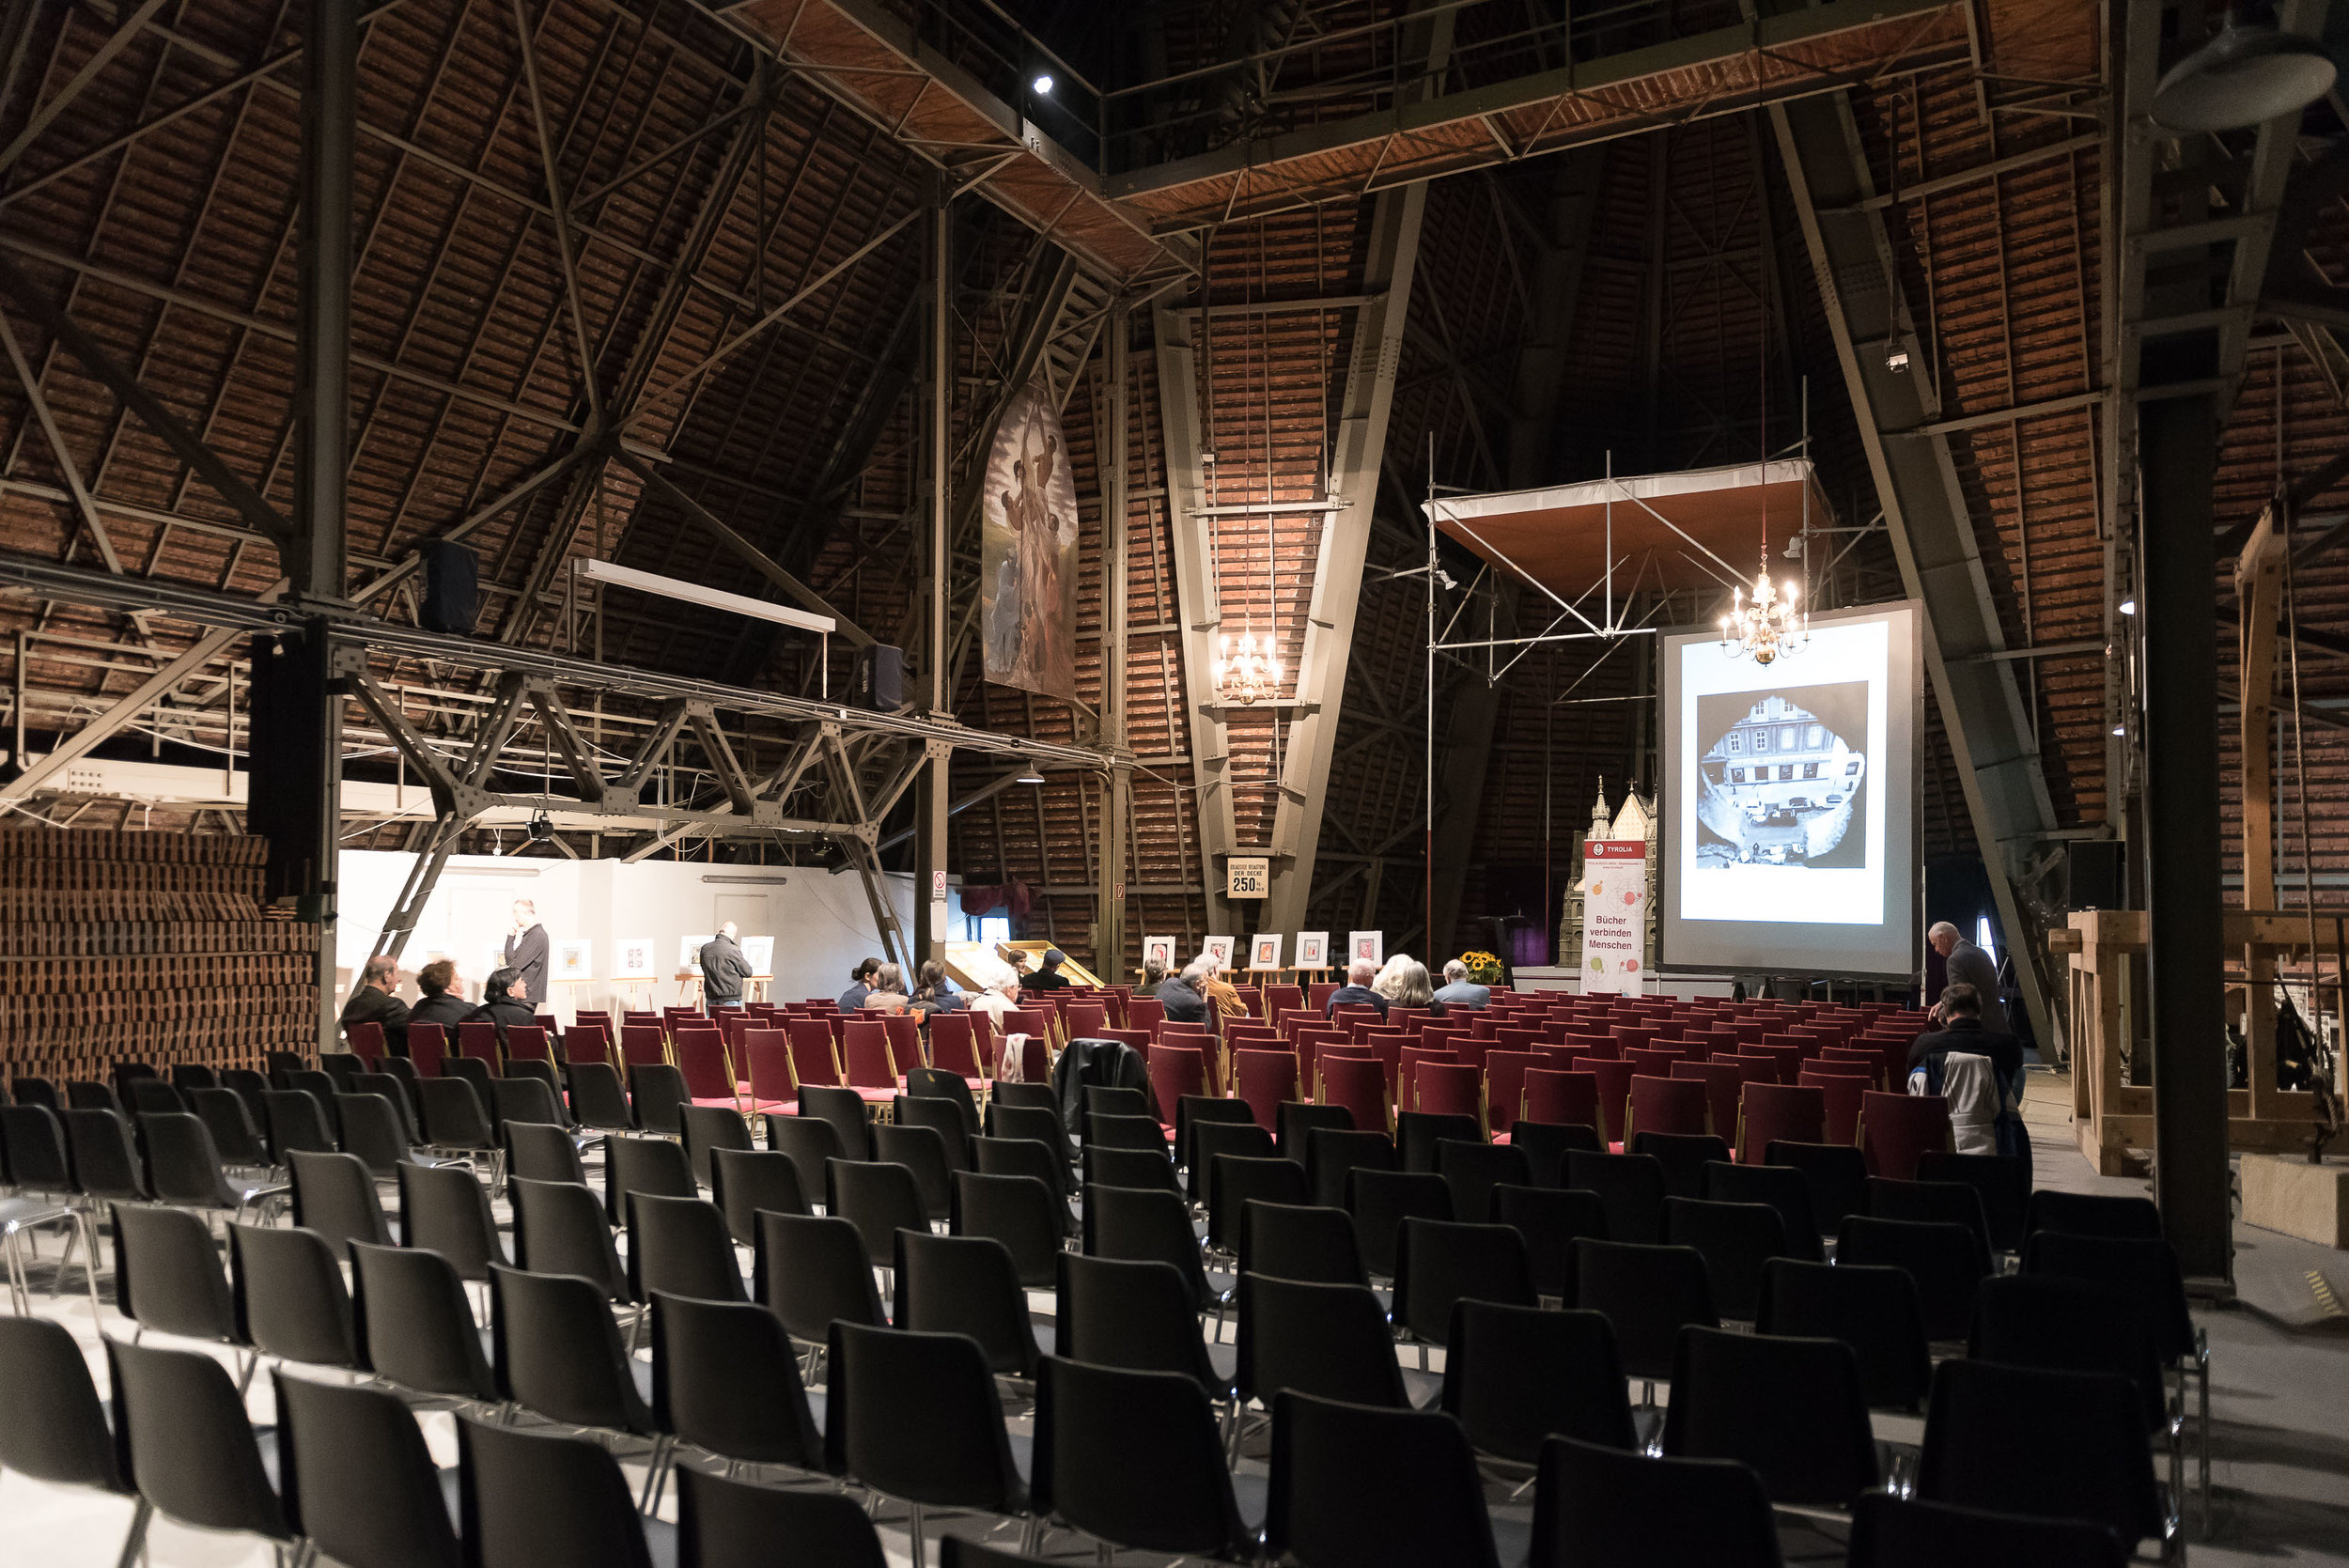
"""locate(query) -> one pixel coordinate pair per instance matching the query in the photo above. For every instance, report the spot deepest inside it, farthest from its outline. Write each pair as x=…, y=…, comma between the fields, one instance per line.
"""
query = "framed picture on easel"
x=1312, y=950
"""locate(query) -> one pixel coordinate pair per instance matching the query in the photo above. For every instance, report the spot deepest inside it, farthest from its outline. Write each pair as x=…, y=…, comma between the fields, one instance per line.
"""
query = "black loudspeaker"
x=2092, y=874
x=880, y=679
x=452, y=587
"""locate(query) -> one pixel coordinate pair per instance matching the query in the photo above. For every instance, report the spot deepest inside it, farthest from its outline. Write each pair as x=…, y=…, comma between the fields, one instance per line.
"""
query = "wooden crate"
x=2107, y=1001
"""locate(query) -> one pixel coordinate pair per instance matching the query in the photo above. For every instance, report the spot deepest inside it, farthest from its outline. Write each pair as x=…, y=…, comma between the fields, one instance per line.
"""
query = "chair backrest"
x=916, y=1416
x=809, y=1270
x=1135, y=1223
x=478, y=1040
x=1326, y=1339
x=652, y=1165
x=1514, y=1374
x=415, y=1327
x=539, y=1497
x=681, y=1246
x=1439, y=1263
x=186, y=1443
x=558, y=1353
x=656, y=1096
x=1380, y=1201
x=701, y=1056
x=167, y=1274
x=1895, y=1129
x=1668, y=1105
x=56, y=1428
x=1792, y=1408
x=643, y=1044
x=879, y=1199
x=1872, y=1309
x=1472, y=1170
x=442, y=1208
x=1649, y=1294
x=1360, y=1088
x=865, y=1058
x=359, y=1483
x=707, y=1128
x=1372, y=1487
x=561, y=1228
x=1562, y=1098
x=105, y=1165
x=1098, y=1428
x=334, y=1194
x=724, y=1379
x=2089, y=1214
x=1947, y=1261
x=2098, y=1466
x=1736, y=1239
x=1887, y=1531
x=1596, y=1503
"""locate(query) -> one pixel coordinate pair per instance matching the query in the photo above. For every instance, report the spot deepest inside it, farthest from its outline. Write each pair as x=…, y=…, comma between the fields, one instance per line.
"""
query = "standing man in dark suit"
x=724, y=968
x=1968, y=965
x=526, y=955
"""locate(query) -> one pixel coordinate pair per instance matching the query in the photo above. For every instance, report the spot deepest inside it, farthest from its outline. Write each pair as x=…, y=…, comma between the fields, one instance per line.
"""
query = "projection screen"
x=1790, y=806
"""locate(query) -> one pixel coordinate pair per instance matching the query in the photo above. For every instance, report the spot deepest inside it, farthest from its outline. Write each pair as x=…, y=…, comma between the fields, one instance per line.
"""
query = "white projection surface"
x=1789, y=815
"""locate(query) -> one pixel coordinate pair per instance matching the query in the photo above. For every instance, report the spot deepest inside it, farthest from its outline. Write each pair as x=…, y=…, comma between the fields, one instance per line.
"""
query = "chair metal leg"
x=916, y=1526
x=656, y=1478
x=135, y=1542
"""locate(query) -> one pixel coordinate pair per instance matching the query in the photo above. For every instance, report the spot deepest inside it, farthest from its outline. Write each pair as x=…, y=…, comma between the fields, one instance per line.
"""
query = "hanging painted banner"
x=1028, y=564
x=1614, y=915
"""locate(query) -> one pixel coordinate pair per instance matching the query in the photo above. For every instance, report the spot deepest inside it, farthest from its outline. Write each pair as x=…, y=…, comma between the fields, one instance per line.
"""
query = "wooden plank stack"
x=147, y=945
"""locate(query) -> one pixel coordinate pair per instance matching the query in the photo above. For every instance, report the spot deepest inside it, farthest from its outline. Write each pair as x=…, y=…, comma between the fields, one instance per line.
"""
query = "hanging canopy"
x=1696, y=529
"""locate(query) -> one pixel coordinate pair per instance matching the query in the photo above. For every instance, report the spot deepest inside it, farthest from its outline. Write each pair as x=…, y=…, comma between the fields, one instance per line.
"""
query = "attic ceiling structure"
x=724, y=291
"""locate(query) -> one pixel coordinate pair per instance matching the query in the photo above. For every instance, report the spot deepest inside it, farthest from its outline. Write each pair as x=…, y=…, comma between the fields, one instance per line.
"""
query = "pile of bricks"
x=155, y=946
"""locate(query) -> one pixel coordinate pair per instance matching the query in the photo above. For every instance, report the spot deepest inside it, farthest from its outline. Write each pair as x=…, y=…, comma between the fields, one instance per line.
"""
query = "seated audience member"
x=1153, y=974
x=1184, y=996
x=1000, y=995
x=1017, y=958
x=1360, y=975
x=443, y=1002
x=1404, y=984
x=499, y=1005
x=1959, y=1014
x=859, y=984
x=372, y=1001
x=1222, y=992
x=887, y=994
x=1050, y=978
x=1459, y=990
x=932, y=991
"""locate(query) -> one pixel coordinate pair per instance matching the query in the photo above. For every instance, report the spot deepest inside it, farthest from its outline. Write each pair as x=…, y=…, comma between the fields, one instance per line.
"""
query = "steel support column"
x=1109, y=935
x=2178, y=439
x=934, y=792
x=315, y=557
x=1934, y=538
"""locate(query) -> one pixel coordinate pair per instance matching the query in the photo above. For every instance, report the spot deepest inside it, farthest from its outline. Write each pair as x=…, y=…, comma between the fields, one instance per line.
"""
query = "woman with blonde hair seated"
x=887, y=994
x=1405, y=984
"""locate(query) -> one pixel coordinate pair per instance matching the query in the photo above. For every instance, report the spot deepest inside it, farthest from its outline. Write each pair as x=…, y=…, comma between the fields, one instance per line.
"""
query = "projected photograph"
x=1779, y=777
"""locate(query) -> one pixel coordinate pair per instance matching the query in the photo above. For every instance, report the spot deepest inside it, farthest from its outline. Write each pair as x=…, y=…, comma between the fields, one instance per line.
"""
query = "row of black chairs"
x=1127, y=1457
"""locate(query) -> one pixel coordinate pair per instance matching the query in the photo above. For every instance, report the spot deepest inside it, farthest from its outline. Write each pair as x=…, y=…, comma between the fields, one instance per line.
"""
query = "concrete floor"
x=2279, y=1448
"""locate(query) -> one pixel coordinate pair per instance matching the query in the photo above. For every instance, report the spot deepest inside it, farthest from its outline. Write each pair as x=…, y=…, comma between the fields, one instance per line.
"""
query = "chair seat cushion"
x=726, y=1100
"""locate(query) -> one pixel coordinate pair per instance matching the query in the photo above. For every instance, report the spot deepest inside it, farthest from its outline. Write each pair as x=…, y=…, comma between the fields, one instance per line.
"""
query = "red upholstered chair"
x=367, y=1043
x=701, y=1057
x=1145, y=1013
x=1406, y=1070
x=905, y=1040
x=478, y=1041
x=629, y=1016
x=1614, y=1089
x=1667, y=1029
x=870, y=1065
x=1309, y=1042
x=1036, y=1059
x=1510, y=1037
x=1451, y=1089
x=814, y=1060
x=954, y=1047
x=1278, y=997
x=1653, y=1062
x=427, y=1043
x=1485, y=1026
x=983, y=1039
x=1318, y=995
x=768, y=1053
x=1358, y=1084
x=1894, y=1129
x=1199, y=1042
x=1779, y=1112
x=1870, y=1061
x=1175, y=1072
x=1842, y=1095
x=1724, y=1082
x=1666, y=1105
x=1787, y=1039
x=586, y=1041
x=527, y=1042
x=1264, y=1078
x=1138, y=1038
x=643, y=1044
x=1631, y=1037
x=1789, y=1059
x=1504, y=1086
x=1569, y=1099
x=1599, y=1047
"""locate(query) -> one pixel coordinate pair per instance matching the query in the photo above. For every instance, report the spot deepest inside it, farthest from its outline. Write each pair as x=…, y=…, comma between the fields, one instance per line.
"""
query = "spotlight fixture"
x=2120, y=729
x=1042, y=85
x=541, y=828
x=2127, y=606
x=1793, y=548
x=1896, y=360
x=2251, y=73
x=1445, y=578
x=1029, y=773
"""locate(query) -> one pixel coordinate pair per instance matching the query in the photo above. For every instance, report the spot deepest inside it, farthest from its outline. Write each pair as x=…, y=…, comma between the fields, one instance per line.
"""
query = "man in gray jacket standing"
x=724, y=968
x=1966, y=964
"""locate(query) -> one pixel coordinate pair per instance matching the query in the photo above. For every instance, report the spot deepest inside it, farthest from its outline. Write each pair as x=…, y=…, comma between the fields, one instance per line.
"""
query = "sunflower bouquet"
x=1484, y=968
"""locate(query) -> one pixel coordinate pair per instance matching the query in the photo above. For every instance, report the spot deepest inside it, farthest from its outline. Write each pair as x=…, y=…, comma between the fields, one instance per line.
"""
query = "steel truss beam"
x=1934, y=537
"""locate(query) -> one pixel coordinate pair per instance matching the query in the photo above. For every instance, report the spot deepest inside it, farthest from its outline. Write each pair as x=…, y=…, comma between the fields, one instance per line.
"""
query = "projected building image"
x=1781, y=785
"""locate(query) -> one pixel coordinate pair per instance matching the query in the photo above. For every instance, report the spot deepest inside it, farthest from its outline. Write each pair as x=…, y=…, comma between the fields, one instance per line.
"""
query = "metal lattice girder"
x=1934, y=538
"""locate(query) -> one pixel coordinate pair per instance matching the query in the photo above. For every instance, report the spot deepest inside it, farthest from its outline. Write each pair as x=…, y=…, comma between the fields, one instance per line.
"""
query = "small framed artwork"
x=1159, y=951
x=1366, y=947
x=1219, y=949
x=689, y=954
x=1263, y=950
x=1312, y=950
x=635, y=960
x=760, y=953
x=575, y=958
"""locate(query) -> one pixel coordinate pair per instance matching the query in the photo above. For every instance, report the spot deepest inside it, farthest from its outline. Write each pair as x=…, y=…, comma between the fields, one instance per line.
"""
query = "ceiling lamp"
x=1250, y=675
x=1769, y=627
x=541, y=828
x=1028, y=775
x=2248, y=75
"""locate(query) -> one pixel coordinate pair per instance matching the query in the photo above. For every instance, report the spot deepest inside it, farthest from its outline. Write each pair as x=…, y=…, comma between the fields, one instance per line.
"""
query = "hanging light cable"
x=1770, y=627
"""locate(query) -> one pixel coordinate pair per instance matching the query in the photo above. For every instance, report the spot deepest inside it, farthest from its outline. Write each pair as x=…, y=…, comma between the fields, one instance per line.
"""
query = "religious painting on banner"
x=1028, y=562
x=1614, y=916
